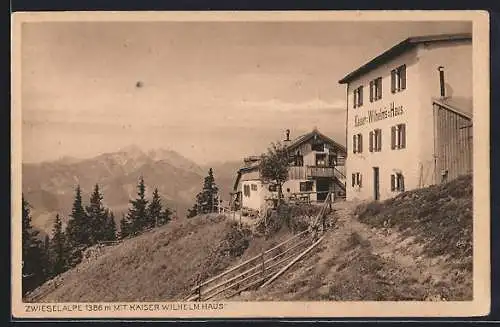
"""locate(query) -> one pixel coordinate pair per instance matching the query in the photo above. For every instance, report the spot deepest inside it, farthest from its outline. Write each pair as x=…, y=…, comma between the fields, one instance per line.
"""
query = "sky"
x=212, y=91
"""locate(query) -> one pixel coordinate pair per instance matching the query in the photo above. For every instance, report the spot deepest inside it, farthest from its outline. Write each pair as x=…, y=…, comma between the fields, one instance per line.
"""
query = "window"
x=356, y=179
x=340, y=161
x=398, y=79
x=246, y=190
x=332, y=160
x=320, y=159
x=358, y=97
x=254, y=187
x=273, y=188
x=398, y=136
x=298, y=159
x=319, y=147
x=376, y=140
x=306, y=186
x=357, y=143
x=397, y=183
x=376, y=89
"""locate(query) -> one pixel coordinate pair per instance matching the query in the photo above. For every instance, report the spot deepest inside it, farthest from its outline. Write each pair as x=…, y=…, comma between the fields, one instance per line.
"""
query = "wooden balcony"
x=308, y=172
x=314, y=172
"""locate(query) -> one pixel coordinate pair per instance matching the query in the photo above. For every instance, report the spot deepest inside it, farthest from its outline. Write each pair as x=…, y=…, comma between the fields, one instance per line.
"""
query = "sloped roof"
x=252, y=163
x=400, y=48
x=461, y=106
x=306, y=137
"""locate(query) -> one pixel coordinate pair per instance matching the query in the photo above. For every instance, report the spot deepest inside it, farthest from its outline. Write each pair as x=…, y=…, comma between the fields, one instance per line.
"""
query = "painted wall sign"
x=375, y=115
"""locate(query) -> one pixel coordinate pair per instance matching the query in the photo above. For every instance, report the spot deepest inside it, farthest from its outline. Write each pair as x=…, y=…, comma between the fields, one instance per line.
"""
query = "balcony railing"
x=319, y=171
x=307, y=172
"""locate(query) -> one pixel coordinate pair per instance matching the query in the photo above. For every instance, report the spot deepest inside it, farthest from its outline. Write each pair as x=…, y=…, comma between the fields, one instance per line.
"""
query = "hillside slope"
x=159, y=265
x=417, y=246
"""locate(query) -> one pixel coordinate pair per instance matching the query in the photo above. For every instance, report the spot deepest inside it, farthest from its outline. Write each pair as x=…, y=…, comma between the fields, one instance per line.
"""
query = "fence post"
x=199, y=292
x=263, y=264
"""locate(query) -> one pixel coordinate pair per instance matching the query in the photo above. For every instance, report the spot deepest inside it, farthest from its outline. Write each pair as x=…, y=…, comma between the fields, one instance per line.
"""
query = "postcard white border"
x=480, y=305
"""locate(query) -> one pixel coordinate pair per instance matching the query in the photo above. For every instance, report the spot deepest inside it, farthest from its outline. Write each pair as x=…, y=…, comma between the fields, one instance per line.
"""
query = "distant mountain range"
x=49, y=186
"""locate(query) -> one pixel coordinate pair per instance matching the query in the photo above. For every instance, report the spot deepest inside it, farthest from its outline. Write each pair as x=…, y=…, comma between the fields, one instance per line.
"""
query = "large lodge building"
x=409, y=117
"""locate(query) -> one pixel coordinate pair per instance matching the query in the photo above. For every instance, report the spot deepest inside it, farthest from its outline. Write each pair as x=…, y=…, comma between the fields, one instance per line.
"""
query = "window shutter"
x=380, y=140
x=353, y=179
x=371, y=91
x=379, y=87
x=360, y=95
x=354, y=98
x=360, y=143
x=393, y=137
x=370, y=142
x=402, y=76
x=393, y=182
x=354, y=145
x=401, y=183
x=403, y=136
x=360, y=181
x=393, y=81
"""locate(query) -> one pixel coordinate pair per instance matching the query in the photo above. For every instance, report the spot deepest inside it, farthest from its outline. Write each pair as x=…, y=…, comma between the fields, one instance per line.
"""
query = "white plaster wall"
x=416, y=162
x=387, y=160
x=255, y=199
x=456, y=58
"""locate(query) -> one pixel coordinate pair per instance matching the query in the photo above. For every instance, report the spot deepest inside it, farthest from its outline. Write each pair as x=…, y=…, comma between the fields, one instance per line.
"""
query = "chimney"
x=287, y=139
x=441, y=81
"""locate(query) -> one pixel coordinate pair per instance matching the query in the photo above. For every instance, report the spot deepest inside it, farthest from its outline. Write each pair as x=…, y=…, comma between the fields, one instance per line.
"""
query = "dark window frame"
x=358, y=97
x=398, y=137
x=398, y=79
x=306, y=186
x=376, y=89
x=325, y=158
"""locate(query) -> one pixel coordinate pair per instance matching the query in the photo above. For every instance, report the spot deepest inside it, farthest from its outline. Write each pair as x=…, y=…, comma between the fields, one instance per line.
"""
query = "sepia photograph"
x=204, y=164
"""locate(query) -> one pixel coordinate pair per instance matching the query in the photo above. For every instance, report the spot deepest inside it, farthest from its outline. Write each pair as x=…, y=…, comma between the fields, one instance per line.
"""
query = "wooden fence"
x=263, y=269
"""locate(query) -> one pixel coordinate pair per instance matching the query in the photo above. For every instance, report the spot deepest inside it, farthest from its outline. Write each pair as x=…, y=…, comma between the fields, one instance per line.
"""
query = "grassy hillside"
x=438, y=216
x=417, y=246
x=159, y=265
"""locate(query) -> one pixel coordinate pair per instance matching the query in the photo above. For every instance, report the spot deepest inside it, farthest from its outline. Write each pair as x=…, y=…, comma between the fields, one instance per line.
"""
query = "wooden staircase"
x=263, y=269
x=340, y=181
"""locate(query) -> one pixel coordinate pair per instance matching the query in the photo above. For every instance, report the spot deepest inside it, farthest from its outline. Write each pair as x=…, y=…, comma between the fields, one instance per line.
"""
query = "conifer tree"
x=47, y=258
x=207, y=199
x=32, y=252
x=110, y=230
x=78, y=229
x=97, y=216
x=137, y=214
x=124, y=227
x=154, y=210
x=58, y=248
x=165, y=217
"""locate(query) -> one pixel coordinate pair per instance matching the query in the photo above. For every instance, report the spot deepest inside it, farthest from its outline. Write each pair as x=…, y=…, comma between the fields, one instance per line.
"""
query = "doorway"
x=322, y=188
x=376, y=184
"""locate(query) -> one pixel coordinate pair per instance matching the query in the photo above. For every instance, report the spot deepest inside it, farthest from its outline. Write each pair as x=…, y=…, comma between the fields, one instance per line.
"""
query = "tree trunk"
x=280, y=193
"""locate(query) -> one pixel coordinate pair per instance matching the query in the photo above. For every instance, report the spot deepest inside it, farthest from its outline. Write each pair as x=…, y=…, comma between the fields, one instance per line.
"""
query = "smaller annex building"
x=317, y=167
x=409, y=117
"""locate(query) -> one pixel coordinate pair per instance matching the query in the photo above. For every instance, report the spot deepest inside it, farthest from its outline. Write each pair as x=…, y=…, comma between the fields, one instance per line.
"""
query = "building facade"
x=409, y=117
x=316, y=167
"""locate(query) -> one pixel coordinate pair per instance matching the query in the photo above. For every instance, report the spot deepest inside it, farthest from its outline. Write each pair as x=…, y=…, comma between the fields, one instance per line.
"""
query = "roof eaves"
x=453, y=108
x=306, y=137
x=399, y=48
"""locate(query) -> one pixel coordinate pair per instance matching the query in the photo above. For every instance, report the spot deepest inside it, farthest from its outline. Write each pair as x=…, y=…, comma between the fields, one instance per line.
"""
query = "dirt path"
x=357, y=262
x=391, y=245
